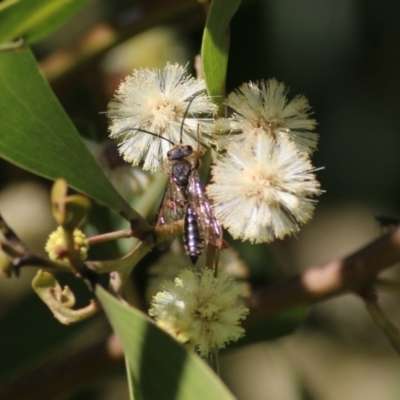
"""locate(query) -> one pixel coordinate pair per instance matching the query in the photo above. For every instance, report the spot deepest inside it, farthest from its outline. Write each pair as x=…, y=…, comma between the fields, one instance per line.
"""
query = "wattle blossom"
x=156, y=101
x=262, y=109
x=200, y=310
x=261, y=191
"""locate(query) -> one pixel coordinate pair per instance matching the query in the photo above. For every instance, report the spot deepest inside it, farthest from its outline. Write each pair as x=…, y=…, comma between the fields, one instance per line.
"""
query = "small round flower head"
x=55, y=245
x=156, y=101
x=126, y=179
x=171, y=264
x=167, y=267
x=200, y=310
x=262, y=108
x=261, y=191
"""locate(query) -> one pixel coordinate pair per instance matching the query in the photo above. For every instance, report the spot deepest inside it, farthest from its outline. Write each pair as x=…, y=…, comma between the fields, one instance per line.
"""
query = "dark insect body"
x=185, y=198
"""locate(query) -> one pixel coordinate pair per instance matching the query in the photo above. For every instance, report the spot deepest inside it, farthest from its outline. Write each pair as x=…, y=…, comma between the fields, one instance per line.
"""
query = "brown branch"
x=319, y=283
x=106, y=237
x=14, y=243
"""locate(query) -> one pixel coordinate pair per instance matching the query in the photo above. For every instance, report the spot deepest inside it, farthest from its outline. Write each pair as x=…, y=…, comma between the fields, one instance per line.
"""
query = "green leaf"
x=159, y=368
x=34, y=20
x=215, y=47
x=60, y=300
x=36, y=134
x=7, y=3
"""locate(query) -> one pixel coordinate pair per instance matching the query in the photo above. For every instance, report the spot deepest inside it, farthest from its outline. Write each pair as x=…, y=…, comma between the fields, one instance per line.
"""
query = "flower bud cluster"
x=56, y=246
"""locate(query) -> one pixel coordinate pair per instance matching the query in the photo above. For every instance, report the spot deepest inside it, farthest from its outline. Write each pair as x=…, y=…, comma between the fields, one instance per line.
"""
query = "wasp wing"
x=210, y=226
x=172, y=209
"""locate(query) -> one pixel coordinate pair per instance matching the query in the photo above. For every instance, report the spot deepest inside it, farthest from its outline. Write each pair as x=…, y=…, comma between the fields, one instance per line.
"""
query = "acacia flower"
x=261, y=191
x=200, y=310
x=172, y=263
x=262, y=108
x=156, y=101
x=126, y=179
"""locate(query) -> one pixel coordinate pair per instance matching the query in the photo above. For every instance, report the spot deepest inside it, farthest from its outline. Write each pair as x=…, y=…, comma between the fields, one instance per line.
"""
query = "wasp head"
x=179, y=152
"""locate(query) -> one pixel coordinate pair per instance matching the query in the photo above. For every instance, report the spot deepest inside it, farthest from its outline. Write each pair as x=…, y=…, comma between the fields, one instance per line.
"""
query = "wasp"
x=185, y=198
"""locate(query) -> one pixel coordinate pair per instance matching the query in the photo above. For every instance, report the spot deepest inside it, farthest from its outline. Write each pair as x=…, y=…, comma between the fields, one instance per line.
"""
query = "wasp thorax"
x=180, y=172
x=179, y=152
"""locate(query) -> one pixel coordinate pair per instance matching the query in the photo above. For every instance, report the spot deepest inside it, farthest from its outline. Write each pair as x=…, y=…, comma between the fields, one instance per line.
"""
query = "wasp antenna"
x=198, y=147
x=150, y=133
x=195, y=94
x=191, y=99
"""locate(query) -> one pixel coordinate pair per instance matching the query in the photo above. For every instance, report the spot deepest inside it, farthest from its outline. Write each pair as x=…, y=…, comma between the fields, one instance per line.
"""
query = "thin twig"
x=213, y=362
x=14, y=242
x=106, y=237
x=32, y=260
x=380, y=318
x=388, y=285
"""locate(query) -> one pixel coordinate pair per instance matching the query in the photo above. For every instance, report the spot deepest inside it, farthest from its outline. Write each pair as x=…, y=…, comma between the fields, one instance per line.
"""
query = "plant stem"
x=106, y=237
x=388, y=285
x=213, y=362
x=380, y=318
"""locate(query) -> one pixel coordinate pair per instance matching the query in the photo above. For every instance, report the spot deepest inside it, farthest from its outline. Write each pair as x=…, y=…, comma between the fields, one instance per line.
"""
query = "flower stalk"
x=391, y=332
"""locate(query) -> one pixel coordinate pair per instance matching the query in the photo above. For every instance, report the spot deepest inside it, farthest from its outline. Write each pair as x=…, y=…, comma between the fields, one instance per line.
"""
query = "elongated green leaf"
x=7, y=3
x=215, y=47
x=36, y=134
x=34, y=20
x=159, y=368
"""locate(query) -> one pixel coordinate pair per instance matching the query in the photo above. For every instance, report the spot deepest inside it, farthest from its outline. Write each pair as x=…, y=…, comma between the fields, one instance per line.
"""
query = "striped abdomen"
x=192, y=237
